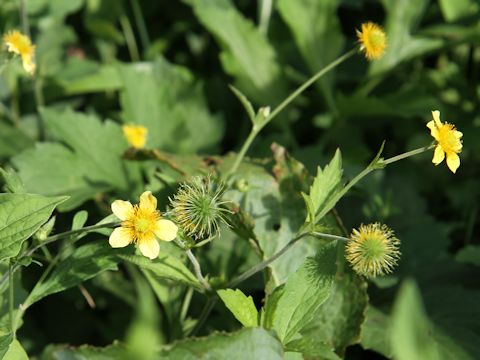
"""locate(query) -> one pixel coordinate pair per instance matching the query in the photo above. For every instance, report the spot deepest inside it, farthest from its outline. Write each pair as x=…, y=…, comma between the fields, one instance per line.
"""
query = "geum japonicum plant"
x=205, y=208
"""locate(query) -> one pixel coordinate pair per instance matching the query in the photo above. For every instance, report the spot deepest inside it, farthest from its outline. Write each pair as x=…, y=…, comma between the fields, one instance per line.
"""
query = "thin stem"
x=309, y=82
x=186, y=304
x=246, y=145
x=203, y=316
x=260, y=266
x=407, y=154
x=258, y=127
x=54, y=238
x=57, y=237
x=329, y=236
x=11, y=296
x=130, y=38
x=140, y=21
x=198, y=270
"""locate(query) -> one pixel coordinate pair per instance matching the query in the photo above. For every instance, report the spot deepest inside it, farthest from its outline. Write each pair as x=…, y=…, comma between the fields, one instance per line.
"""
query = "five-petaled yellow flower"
x=373, y=40
x=20, y=44
x=136, y=135
x=449, y=142
x=141, y=224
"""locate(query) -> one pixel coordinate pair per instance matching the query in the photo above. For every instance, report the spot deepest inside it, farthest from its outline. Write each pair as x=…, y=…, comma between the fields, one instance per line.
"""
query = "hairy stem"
x=260, y=266
x=198, y=270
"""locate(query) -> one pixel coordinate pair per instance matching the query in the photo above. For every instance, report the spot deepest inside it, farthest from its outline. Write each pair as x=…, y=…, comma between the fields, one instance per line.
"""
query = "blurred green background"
x=167, y=65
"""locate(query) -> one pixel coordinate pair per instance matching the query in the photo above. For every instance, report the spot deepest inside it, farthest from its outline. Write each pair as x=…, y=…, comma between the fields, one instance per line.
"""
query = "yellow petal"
x=458, y=134
x=122, y=209
x=436, y=117
x=148, y=202
x=433, y=129
x=28, y=64
x=453, y=161
x=166, y=230
x=149, y=248
x=439, y=155
x=120, y=237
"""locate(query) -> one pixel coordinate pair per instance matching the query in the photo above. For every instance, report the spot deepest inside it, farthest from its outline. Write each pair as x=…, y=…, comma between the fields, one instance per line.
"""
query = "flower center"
x=142, y=225
x=376, y=39
x=374, y=248
x=447, y=139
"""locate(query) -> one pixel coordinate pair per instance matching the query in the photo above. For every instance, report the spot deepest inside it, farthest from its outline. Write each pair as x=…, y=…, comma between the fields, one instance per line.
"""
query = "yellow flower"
x=136, y=135
x=449, y=142
x=373, y=40
x=20, y=44
x=142, y=225
x=372, y=250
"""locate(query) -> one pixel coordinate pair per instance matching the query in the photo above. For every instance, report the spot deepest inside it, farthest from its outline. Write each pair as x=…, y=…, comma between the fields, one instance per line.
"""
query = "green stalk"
x=140, y=21
x=130, y=38
x=258, y=127
x=198, y=270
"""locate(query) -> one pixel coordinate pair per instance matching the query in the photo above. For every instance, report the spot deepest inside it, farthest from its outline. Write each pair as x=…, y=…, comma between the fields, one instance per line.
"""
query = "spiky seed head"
x=198, y=207
x=373, y=250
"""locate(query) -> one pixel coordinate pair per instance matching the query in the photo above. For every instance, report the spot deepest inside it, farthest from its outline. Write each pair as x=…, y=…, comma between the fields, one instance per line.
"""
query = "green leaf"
x=411, y=331
x=260, y=193
x=376, y=332
x=241, y=306
x=325, y=187
x=470, y=254
x=15, y=352
x=21, y=215
x=67, y=352
x=12, y=140
x=86, y=262
x=403, y=18
x=13, y=183
x=337, y=322
x=454, y=10
x=250, y=343
x=170, y=103
x=304, y=292
x=165, y=266
x=91, y=164
x=247, y=55
x=312, y=348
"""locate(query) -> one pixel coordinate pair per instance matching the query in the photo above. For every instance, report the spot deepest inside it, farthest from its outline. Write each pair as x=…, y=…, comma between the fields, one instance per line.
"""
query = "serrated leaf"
x=91, y=164
x=312, y=348
x=375, y=332
x=21, y=215
x=15, y=352
x=241, y=306
x=250, y=343
x=325, y=186
x=66, y=352
x=165, y=266
x=247, y=55
x=304, y=292
x=171, y=104
x=86, y=262
x=338, y=320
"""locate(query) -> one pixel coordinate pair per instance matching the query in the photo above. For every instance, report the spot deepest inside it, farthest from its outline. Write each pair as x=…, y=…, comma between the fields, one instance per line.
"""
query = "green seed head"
x=198, y=207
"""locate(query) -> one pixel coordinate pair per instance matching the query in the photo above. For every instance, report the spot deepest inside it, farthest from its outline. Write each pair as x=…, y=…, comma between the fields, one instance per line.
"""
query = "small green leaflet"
x=241, y=306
